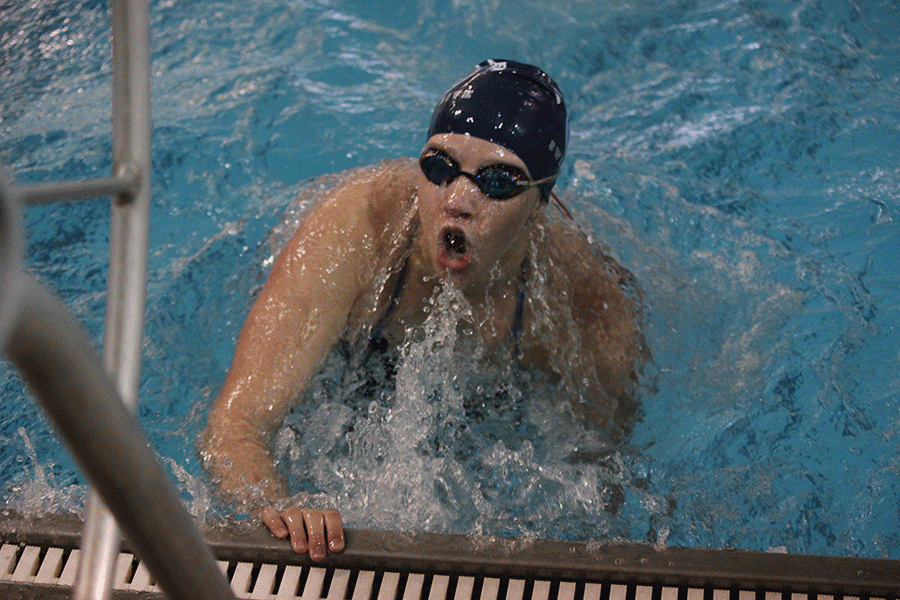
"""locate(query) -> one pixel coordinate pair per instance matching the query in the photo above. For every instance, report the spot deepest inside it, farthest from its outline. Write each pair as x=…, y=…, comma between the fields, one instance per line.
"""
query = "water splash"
x=37, y=492
x=201, y=505
x=435, y=436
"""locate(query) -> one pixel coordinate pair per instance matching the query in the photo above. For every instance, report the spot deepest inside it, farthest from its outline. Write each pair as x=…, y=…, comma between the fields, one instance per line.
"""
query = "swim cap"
x=512, y=104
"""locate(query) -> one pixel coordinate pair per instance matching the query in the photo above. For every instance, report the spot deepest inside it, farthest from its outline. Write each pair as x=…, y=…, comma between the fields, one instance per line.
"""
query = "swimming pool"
x=739, y=157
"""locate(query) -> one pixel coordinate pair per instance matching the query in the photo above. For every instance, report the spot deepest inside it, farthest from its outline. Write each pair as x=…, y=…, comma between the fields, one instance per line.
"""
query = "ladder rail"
x=84, y=189
x=54, y=355
x=128, y=248
x=31, y=313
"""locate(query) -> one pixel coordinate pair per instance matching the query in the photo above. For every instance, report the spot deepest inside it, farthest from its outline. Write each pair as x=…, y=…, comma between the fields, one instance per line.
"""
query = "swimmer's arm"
x=612, y=338
x=605, y=302
x=299, y=315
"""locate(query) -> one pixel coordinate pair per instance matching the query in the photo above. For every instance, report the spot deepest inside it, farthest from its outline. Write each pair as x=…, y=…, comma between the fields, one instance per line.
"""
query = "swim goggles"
x=498, y=182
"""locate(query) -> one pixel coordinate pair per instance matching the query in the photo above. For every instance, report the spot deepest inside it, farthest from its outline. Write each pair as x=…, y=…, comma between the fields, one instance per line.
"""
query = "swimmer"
x=470, y=212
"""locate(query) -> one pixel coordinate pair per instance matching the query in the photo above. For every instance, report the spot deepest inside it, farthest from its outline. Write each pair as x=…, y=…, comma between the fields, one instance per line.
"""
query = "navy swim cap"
x=512, y=104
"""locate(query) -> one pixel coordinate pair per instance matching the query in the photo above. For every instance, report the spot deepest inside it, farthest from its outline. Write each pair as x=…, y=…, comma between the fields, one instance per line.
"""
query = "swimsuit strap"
x=401, y=281
x=520, y=308
x=375, y=334
x=398, y=289
x=378, y=328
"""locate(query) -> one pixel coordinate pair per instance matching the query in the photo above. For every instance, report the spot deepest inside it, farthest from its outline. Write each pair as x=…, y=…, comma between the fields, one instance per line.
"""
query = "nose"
x=460, y=198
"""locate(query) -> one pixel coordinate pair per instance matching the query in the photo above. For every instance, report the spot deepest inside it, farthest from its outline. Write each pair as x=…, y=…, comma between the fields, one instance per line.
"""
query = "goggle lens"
x=496, y=182
x=438, y=169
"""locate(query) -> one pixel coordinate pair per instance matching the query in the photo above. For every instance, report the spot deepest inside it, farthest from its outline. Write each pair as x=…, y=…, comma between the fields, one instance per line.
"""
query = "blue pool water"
x=740, y=157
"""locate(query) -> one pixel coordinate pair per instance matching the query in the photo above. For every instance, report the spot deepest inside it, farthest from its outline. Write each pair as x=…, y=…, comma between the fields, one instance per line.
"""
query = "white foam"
x=38, y=493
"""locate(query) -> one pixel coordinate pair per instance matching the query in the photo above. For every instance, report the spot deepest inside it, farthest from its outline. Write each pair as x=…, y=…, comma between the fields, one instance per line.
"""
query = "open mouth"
x=453, y=249
x=455, y=241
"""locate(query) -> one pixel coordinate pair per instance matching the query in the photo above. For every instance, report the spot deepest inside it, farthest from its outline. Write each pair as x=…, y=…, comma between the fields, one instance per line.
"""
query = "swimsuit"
x=377, y=340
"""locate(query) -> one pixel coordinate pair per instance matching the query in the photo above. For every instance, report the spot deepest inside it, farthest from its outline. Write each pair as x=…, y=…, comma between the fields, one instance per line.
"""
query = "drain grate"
x=39, y=559
x=52, y=566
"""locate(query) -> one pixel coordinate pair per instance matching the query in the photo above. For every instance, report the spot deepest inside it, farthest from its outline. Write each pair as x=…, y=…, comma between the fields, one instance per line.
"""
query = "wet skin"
x=467, y=235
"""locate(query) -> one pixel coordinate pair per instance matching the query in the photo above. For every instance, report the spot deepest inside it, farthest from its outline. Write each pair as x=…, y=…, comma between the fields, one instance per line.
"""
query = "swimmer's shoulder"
x=376, y=195
x=588, y=262
x=606, y=303
x=394, y=186
x=602, y=291
x=385, y=187
x=387, y=192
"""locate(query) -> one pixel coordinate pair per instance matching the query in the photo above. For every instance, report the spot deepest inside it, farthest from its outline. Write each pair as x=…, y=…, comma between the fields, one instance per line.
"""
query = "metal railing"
x=90, y=404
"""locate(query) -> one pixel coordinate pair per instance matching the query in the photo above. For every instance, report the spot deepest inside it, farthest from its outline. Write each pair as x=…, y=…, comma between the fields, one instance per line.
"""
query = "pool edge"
x=641, y=564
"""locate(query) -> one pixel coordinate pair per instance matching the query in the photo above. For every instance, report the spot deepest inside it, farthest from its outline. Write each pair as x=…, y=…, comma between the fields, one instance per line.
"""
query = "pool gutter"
x=626, y=563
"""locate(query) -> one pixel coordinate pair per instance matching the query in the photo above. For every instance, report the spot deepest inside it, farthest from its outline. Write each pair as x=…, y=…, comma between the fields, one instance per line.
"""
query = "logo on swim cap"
x=512, y=104
x=530, y=71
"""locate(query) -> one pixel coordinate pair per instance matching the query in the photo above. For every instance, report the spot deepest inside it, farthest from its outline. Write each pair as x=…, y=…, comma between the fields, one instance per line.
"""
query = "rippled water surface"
x=740, y=157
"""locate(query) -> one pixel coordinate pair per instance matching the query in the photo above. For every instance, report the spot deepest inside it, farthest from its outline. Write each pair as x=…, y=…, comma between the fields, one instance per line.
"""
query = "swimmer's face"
x=467, y=234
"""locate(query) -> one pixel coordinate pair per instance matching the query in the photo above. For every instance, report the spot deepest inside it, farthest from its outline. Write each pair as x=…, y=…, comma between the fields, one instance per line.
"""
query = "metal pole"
x=126, y=291
x=10, y=260
x=44, y=193
x=56, y=358
x=129, y=228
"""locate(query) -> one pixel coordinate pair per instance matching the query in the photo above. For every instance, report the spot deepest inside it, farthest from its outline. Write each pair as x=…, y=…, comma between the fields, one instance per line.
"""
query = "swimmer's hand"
x=308, y=529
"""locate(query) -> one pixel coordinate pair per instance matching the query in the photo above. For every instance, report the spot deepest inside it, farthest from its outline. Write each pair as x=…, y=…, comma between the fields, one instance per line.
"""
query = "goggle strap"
x=561, y=205
x=553, y=195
